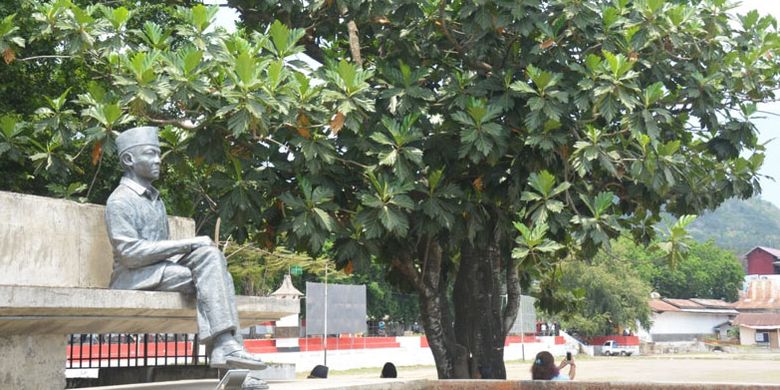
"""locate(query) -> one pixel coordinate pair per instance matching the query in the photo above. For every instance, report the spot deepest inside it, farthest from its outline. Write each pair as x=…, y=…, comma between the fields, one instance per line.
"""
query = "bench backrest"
x=59, y=243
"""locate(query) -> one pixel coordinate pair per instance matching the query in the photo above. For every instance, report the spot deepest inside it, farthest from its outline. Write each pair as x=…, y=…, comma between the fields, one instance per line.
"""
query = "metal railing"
x=134, y=350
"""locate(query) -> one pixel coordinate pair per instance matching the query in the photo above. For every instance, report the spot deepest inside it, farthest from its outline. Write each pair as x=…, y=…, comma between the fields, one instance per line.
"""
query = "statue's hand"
x=200, y=241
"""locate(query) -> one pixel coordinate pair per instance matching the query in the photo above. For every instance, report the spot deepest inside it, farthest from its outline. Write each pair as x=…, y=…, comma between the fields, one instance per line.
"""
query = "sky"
x=768, y=125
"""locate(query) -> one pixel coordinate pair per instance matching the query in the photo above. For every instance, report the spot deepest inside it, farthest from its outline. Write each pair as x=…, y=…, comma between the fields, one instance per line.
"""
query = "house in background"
x=761, y=295
x=762, y=261
x=685, y=320
x=759, y=329
x=759, y=311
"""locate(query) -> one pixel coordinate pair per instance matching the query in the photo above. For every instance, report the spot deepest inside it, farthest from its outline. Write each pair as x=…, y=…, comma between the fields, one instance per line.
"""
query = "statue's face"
x=146, y=162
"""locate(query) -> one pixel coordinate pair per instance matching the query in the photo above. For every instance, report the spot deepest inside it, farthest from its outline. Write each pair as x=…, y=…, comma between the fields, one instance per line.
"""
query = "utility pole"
x=522, y=327
x=325, y=320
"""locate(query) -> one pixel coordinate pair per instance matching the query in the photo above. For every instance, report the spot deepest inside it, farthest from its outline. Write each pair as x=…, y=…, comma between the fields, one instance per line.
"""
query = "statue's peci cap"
x=146, y=135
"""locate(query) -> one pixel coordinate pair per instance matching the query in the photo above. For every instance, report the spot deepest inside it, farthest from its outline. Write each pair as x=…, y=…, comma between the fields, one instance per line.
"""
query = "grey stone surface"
x=82, y=310
x=32, y=362
x=254, y=382
x=275, y=372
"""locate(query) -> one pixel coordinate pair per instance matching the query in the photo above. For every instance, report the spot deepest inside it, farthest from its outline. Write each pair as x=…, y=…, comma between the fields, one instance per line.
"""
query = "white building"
x=687, y=319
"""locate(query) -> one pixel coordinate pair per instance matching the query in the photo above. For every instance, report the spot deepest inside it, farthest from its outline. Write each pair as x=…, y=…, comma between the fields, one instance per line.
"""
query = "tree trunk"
x=482, y=320
x=431, y=285
x=467, y=317
x=471, y=346
x=492, y=328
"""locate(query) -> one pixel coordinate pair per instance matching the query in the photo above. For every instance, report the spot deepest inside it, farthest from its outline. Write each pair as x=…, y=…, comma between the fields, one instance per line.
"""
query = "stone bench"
x=55, y=267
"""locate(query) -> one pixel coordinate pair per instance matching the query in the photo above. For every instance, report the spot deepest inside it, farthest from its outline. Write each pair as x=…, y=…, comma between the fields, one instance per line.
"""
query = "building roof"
x=684, y=303
x=761, y=293
x=772, y=251
x=660, y=306
x=713, y=303
x=692, y=305
x=758, y=320
x=287, y=289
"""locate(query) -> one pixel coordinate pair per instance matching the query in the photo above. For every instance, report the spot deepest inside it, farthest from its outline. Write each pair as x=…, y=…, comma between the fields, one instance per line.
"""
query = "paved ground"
x=704, y=368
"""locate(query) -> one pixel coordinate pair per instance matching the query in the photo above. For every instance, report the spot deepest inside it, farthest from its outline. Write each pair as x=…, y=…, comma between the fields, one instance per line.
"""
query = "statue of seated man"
x=146, y=259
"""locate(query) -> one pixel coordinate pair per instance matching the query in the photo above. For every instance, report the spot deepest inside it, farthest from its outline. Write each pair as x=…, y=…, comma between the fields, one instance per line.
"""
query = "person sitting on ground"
x=318, y=372
x=389, y=371
x=544, y=368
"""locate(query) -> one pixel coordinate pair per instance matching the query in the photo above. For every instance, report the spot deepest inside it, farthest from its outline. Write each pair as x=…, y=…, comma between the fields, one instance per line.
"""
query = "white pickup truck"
x=612, y=348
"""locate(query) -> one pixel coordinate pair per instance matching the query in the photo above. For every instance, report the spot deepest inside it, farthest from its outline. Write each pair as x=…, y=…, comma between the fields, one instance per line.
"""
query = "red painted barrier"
x=520, y=339
x=339, y=343
x=260, y=345
x=507, y=341
x=622, y=340
x=123, y=350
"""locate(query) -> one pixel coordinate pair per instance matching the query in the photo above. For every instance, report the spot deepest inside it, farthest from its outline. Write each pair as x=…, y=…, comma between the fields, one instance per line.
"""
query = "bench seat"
x=63, y=310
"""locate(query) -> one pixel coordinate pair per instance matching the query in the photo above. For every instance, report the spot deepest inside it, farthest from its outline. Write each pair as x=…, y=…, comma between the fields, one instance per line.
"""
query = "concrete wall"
x=56, y=242
x=32, y=362
x=747, y=336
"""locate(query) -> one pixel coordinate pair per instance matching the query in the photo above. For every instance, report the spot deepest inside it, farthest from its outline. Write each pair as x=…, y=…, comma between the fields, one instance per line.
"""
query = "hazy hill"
x=740, y=225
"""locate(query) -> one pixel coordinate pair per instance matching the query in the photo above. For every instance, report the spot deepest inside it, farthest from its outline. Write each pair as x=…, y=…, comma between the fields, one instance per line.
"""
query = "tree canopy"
x=613, y=296
x=467, y=146
x=706, y=271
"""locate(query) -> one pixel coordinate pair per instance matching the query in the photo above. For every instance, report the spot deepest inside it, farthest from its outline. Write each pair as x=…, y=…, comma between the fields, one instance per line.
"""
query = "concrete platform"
x=425, y=384
x=64, y=310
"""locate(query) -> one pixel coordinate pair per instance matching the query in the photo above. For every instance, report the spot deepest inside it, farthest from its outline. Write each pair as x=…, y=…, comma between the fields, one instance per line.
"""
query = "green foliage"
x=674, y=239
x=613, y=296
x=706, y=271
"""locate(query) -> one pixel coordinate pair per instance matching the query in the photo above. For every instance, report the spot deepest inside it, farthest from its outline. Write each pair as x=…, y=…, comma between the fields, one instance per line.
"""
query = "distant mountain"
x=740, y=225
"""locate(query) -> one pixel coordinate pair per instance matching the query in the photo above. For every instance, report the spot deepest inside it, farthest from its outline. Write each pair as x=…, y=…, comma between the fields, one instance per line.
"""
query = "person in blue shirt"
x=544, y=368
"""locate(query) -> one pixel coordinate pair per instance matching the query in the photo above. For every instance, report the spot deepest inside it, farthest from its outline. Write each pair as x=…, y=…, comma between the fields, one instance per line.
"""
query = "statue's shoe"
x=239, y=358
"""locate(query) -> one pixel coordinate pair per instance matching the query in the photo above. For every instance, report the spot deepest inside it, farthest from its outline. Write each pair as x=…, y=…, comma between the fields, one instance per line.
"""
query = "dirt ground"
x=702, y=368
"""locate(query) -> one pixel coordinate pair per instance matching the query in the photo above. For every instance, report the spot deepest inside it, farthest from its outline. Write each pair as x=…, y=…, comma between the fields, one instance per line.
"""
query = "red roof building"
x=762, y=261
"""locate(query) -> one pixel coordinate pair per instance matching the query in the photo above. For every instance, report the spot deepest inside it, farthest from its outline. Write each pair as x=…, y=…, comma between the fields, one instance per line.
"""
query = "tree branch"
x=446, y=31
x=354, y=42
x=43, y=57
x=406, y=267
x=182, y=123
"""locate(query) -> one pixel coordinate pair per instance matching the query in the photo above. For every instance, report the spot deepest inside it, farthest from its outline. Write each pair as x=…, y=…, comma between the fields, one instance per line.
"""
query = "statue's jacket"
x=137, y=226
